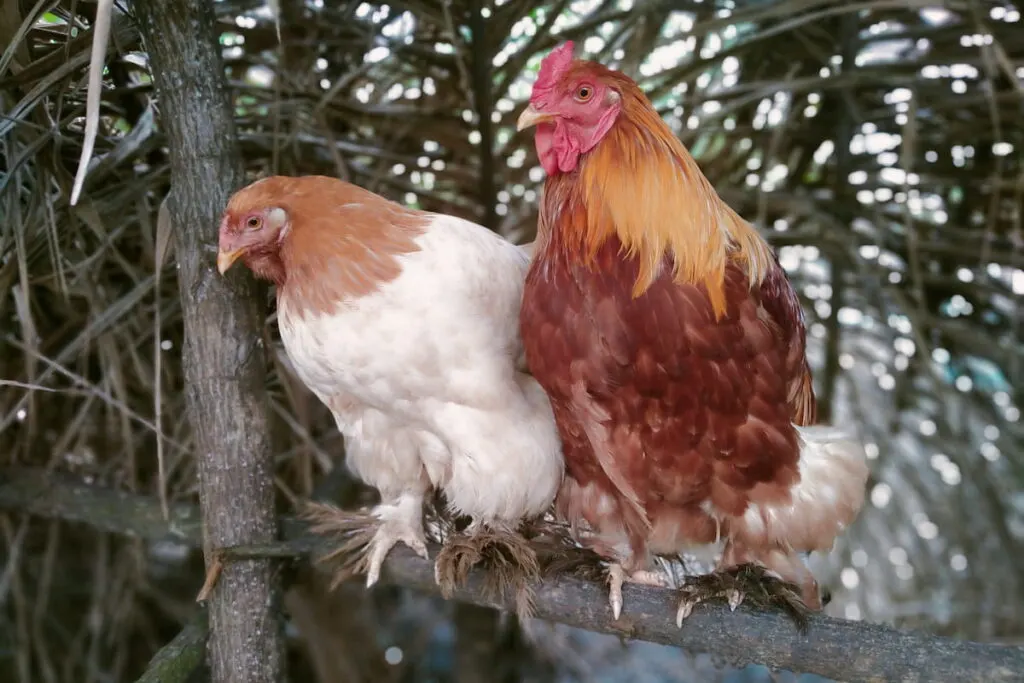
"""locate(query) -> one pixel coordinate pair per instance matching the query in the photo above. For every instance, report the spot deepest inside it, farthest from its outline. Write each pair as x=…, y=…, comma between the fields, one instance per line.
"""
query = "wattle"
x=555, y=149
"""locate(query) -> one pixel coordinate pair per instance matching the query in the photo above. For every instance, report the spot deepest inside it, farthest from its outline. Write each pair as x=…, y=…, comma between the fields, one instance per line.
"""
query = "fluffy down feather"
x=404, y=323
x=672, y=347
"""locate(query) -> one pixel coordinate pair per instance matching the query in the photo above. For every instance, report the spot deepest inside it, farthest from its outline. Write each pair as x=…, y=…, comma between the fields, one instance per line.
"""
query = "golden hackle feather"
x=642, y=185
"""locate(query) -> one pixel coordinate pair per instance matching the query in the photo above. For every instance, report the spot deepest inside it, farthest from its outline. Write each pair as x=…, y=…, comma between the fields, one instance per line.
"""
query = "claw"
x=419, y=547
x=616, y=576
x=377, y=555
x=388, y=535
x=695, y=594
x=685, y=610
x=616, y=602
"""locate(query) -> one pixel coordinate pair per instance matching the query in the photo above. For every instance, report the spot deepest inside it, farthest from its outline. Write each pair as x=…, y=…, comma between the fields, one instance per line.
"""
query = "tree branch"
x=223, y=355
x=844, y=650
x=177, y=660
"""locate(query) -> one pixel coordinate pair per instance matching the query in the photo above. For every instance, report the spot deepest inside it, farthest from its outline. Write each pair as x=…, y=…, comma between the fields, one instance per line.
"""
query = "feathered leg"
x=764, y=579
x=506, y=557
x=830, y=491
x=368, y=538
x=400, y=521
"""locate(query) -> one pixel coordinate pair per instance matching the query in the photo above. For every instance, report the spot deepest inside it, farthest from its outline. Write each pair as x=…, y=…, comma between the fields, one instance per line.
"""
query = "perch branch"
x=843, y=650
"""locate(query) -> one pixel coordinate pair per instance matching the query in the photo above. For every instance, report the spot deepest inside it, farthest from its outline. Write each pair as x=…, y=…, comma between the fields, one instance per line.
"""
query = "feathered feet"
x=367, y=538
x=508, y=561
x=748, y=582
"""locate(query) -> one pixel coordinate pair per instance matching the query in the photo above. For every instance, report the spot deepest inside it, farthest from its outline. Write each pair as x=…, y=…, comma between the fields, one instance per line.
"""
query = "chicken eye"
x=253, y=222
x=584, y=93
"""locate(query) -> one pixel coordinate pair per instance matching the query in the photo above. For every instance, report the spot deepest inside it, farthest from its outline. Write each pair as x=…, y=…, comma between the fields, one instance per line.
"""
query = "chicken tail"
x=826, y=499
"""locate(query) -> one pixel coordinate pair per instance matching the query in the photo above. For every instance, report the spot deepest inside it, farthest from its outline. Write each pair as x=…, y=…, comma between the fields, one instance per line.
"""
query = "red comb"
x=551, y=69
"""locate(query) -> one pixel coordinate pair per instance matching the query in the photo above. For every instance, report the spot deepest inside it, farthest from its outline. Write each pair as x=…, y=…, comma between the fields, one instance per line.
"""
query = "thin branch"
x=845, y=650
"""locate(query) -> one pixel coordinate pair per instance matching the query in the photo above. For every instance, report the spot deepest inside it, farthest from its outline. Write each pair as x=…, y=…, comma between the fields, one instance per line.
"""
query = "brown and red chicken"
x=672, y=347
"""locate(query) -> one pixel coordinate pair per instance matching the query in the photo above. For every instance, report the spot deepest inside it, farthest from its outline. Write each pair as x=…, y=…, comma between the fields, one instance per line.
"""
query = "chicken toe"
x=617, y=576
x=388, y=534
x=693, y=596
x=734, y=598
x=702, y=588
x=748, y=582
x=686, y=606
x=366, y=537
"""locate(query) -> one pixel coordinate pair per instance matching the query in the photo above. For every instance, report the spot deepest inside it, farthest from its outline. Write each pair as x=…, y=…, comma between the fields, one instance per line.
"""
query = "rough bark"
x=224, y=359
x=855, y=652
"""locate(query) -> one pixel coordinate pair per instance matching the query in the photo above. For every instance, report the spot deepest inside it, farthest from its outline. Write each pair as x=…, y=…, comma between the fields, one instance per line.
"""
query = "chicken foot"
x=508, y=561
x=617, y=576
x=399, y=522
x=748, y=582
x=368, y=537
x=694, y=593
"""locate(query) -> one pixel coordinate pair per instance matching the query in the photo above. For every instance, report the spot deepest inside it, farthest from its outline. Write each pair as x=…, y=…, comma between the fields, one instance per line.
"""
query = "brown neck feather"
x=641, y=184
x=266, y=264
x=342, y=246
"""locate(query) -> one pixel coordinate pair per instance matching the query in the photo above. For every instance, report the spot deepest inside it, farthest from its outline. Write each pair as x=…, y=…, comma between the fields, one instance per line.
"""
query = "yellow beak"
x=531, y=117
x=226, y=258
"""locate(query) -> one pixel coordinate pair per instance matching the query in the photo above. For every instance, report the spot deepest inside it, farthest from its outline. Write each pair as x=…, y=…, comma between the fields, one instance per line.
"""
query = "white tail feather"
x=833, y=474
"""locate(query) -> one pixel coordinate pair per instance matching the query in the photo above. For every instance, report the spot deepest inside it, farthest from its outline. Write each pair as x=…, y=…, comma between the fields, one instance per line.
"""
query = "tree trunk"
x=224, y=357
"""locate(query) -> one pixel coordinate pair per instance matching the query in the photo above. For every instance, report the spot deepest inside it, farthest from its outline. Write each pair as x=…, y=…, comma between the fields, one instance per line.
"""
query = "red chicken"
x=672, y=347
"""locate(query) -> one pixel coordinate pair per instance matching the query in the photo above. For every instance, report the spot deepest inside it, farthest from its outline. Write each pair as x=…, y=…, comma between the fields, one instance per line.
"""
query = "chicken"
x=672, y=347
x=405, y=324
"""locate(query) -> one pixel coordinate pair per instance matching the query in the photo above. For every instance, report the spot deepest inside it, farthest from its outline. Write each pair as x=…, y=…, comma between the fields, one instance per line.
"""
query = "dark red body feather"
x=696, y=409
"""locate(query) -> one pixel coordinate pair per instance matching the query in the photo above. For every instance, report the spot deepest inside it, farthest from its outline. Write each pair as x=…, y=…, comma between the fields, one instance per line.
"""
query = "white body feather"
x=422, y=378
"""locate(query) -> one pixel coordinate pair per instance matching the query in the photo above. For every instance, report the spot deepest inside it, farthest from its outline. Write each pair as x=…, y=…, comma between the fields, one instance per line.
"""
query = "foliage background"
x=876, y=143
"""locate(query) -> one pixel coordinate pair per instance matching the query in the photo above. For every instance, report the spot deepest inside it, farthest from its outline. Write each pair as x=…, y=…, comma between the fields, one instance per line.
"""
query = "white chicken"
x=405, y=324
